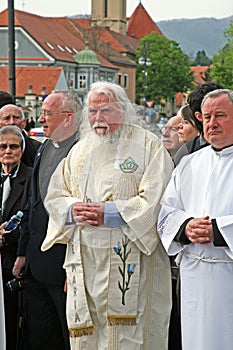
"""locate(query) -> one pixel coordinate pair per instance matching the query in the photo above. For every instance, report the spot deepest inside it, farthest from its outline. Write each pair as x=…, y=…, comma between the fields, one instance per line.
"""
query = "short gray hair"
x=12, y=129
x=71, y=101
x=218, y=92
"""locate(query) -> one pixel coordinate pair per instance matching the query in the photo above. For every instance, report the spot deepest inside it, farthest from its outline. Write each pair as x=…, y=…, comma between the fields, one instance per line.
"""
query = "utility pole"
x=11, y=46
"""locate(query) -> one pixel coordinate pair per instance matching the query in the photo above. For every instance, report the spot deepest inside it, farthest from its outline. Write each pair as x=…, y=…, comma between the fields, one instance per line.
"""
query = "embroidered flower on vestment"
x=126, y=271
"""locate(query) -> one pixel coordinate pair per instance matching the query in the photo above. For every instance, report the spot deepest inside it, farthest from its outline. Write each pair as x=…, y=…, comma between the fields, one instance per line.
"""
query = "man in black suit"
x=45, y=277
x=11, y=114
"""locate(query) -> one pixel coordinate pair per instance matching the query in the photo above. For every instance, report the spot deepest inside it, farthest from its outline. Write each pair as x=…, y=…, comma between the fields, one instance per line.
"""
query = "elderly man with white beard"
x=103, y=202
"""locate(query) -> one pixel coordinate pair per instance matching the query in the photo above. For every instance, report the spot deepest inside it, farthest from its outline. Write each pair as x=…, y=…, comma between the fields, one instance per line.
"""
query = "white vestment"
x=201, y=185
x=132, y=171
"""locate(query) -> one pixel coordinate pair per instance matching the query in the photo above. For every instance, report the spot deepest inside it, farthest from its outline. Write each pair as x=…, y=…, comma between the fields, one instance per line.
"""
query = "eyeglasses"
x=46, y=113
x=13, y=146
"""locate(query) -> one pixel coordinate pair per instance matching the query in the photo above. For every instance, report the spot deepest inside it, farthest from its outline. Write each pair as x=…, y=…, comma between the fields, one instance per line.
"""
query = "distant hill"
x=198, y=34
x=193, y=35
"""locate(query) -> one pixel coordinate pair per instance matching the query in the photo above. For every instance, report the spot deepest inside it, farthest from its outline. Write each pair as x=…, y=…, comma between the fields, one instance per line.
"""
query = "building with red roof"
x=63, y=53
x=141, y=23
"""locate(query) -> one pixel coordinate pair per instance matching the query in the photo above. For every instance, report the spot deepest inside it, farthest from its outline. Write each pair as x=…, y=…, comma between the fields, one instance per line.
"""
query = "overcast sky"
x=158, y=9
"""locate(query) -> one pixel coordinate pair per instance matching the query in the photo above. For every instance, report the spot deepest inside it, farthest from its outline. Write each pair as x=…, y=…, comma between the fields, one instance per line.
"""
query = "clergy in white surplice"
x=196, y=221
x=103, y=202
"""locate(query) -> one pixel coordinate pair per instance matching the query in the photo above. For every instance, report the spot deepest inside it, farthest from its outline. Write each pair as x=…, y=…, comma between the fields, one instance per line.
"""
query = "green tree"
x=168, y=73
x=222, y=68
x=201, y=59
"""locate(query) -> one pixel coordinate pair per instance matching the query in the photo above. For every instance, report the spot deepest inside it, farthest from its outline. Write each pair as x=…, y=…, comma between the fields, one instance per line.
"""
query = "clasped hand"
x=85, y=214
x=200, y=230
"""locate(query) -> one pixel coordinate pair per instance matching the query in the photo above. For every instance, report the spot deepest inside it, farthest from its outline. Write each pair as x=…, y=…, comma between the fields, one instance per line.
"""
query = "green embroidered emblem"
x=128, y=166
x=126, y=272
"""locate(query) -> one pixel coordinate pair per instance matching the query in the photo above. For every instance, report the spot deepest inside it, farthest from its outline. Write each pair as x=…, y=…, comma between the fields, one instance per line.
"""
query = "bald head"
x=174, y=121
x=170, y=137
x=12, y=115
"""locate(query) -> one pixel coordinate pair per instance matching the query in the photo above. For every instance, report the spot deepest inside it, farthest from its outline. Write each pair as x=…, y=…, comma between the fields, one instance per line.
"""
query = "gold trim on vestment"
x=79, y=332
x=123, y=320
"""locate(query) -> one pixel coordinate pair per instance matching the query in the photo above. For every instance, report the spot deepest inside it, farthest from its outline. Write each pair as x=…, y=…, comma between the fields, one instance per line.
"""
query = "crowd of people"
x=123, y=243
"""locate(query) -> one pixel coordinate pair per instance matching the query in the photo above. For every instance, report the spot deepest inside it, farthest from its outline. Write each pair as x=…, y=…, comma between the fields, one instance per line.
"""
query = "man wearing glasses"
x=45, y=298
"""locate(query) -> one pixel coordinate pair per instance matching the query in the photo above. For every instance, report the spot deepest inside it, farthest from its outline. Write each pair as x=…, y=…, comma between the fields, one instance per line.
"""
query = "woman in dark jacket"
x=15, y=178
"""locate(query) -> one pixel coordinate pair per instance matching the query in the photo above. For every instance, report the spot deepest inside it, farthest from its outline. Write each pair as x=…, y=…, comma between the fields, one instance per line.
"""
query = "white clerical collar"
x=56, y=145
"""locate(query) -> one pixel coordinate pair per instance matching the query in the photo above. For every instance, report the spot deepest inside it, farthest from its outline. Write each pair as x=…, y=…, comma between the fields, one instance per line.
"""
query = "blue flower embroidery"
x=131, y=269
x=126, y=273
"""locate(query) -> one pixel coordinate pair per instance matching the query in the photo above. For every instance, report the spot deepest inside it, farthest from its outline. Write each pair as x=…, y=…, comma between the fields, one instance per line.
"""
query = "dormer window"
x=60, y=48
x=49, y=45
x=68, y=49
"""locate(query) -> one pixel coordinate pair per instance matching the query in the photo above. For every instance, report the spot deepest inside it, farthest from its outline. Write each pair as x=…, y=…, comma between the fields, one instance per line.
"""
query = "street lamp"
x=146, y=62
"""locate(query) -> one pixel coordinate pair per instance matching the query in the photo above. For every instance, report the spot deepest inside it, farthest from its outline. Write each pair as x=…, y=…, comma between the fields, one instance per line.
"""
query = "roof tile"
x=141, y=24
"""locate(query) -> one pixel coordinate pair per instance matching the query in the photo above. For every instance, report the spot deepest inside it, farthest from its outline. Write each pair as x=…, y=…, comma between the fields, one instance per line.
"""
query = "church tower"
x=109, y=13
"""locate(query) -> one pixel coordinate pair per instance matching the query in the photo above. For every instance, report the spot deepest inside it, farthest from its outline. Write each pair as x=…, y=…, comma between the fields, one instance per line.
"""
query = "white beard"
x=109, y=137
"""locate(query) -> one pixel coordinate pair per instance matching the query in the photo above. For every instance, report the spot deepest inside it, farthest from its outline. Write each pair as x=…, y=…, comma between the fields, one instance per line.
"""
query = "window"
x=50, y=45
x=72, y=80
x=125, y=81
x=106, y=8
x=82, y=82
x=68, y=49
x=119, y=78
x=60, y=48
